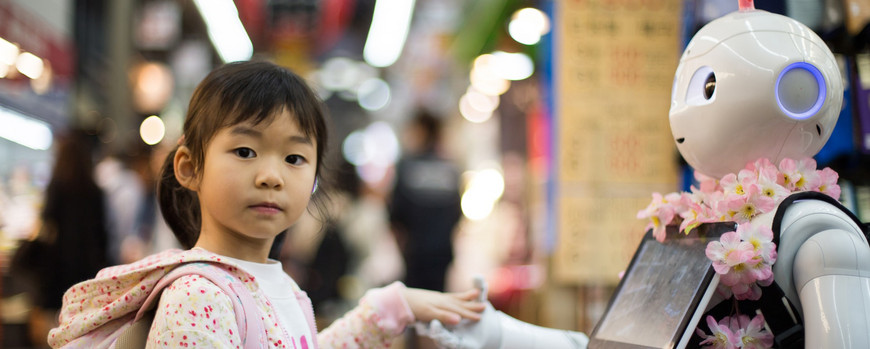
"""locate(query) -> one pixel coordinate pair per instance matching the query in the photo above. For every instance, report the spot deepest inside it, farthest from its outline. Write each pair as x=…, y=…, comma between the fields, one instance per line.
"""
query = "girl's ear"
x=185, y=172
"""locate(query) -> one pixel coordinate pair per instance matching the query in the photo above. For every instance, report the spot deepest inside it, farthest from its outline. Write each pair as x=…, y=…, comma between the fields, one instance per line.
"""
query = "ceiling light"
x=225, y=29
x=390, y=23
x=24, y=130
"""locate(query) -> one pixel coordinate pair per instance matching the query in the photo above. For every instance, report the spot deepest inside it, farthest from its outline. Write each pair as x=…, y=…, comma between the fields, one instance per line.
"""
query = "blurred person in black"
x=425, y=204
x=73, y=222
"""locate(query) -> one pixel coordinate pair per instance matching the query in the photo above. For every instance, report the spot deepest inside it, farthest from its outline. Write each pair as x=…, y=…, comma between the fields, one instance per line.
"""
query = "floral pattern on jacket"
x=96, y=311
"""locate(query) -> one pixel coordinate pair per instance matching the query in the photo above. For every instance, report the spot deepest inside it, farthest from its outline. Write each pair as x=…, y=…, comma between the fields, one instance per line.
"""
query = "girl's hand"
x=448, y=308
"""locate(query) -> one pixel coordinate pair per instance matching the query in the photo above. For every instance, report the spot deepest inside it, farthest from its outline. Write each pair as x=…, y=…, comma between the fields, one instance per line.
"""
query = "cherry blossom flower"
x=768, y=182
x=731, y=185
x=763, y=166
x=729, y=252
x=707, y=184
x=749, y=291
x=756, y=203
x=759, y=269
x=761, y=238
x=799, y=175
x=751, y=204
x=721, y=337
x=790, y=173
x=740, y=275
x=752, y=334
x=736, y=331
x=676, y=201
x=660, y=212
x=719, y=207
x=737, y=263
x=766, y=282
x=695, y=213
x=739, y=291
x=828, y=183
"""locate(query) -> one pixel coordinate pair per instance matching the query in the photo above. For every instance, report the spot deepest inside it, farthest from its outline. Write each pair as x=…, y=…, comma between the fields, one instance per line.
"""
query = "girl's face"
x=256, y=181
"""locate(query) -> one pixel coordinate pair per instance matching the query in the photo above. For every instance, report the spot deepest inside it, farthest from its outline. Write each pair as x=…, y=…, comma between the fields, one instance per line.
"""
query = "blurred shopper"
x=356, y=252
x=135, y=224
x=425, y=204
x=125, y=195
x=375, y=260
x=73, y=223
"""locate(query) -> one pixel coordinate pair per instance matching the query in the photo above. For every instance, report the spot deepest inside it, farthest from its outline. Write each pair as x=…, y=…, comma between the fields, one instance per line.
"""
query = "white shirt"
x=281, y=291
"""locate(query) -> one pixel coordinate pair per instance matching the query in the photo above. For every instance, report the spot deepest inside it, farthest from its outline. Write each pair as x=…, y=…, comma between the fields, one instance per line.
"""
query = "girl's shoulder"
x=194, y=299
x=193, y=309
x=205, y=305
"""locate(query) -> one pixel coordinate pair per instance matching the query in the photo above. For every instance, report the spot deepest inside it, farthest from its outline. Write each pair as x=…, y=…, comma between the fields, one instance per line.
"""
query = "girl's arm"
x=383, y=314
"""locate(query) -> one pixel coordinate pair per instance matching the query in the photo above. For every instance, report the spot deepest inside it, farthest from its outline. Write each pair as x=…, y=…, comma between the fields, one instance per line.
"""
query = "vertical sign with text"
x=613, y=71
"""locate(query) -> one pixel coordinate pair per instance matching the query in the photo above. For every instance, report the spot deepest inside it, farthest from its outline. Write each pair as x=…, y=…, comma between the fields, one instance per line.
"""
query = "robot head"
x=753, y=84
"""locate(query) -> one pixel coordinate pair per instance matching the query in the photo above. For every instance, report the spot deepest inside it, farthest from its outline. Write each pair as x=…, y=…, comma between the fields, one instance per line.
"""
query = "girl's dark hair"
x=250, y=91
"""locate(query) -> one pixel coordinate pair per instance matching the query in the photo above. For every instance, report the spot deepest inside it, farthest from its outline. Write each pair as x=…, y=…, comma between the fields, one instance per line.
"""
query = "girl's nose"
x=269, y=176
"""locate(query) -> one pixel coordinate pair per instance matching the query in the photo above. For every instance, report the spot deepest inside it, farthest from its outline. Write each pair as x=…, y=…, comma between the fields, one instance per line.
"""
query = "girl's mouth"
x=266, y=208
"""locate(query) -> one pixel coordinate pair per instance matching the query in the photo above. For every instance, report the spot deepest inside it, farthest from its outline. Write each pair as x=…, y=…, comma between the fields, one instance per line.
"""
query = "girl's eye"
x=294, y=159
x=244, y=153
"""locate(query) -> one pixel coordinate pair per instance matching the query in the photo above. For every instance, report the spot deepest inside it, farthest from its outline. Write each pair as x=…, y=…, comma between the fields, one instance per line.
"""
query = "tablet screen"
x=659, y=292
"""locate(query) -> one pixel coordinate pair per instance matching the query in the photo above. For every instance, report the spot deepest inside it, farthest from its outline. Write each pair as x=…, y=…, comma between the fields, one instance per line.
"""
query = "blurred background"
x=511, y=139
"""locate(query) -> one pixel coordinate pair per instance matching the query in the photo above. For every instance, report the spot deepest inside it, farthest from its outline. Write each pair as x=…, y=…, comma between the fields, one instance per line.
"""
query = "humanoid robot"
x=752, y=85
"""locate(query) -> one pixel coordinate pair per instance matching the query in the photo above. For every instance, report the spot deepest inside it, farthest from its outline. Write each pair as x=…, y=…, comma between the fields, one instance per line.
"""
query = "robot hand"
x=486, y=333
x=497, y=330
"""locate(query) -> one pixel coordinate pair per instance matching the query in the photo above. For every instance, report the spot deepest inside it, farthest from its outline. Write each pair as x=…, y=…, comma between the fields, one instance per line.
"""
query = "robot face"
x=753, y=84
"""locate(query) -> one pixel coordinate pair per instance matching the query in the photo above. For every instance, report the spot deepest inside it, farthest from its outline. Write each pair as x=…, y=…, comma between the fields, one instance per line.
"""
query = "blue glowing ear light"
x=820, y=99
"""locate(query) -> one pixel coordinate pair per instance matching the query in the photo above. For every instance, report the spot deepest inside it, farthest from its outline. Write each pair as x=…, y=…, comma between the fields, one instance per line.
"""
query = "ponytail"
x=179, y=205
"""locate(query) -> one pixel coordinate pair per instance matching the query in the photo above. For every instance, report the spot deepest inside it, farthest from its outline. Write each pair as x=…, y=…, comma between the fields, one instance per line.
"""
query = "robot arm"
x=828, y=257
x=833, y=281
x=518, y=334
x=497, y=330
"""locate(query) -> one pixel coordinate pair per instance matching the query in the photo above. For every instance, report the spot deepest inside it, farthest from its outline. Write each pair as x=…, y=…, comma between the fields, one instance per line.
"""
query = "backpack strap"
x=247, y=316
x=812, y=195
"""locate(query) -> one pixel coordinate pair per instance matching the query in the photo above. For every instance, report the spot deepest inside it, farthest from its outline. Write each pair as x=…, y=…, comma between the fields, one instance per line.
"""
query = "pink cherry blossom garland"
x=742, y=258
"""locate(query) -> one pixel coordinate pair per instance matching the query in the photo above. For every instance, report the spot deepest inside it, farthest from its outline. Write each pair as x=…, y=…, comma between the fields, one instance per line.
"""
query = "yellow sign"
x=614, y=69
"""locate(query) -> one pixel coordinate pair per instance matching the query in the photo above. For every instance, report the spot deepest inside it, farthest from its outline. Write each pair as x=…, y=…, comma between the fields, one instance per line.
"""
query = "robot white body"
x=777, y=93
x=823, y=266
x=752, y=85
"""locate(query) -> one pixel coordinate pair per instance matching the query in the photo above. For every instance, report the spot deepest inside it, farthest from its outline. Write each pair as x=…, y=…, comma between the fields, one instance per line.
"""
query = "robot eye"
x=800, y=90
x=710, y=86
x=702, y=87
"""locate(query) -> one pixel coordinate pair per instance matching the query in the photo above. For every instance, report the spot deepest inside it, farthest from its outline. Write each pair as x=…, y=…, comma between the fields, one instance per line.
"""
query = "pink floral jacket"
x=96, y=311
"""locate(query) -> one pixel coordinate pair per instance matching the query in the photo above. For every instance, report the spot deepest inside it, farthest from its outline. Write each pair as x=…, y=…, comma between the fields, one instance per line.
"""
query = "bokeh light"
x=528, y=25
x=485, y=187
x=152, y=130
x=373, y=94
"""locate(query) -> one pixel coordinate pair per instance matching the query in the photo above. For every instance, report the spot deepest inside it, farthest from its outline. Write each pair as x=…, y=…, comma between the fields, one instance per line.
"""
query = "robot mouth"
x=681, y=140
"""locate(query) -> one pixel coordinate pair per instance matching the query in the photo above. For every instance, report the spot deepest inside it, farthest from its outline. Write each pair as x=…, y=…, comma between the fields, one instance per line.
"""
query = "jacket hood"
x=107, y=303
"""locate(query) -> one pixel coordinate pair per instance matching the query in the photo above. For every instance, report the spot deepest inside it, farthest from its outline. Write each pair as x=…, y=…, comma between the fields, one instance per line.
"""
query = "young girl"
x=245, y=170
